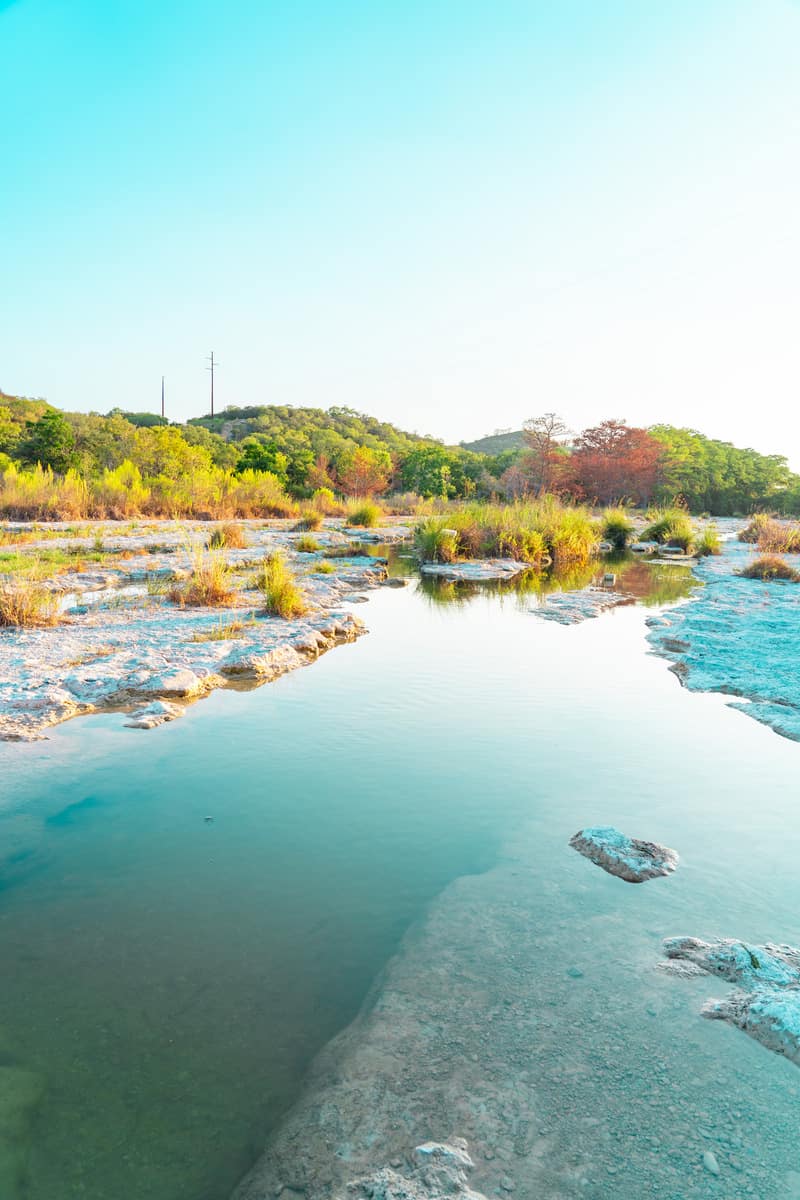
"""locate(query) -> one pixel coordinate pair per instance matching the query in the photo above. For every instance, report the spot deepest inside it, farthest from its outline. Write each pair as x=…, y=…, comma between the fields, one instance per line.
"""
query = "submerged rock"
x=476, y=570
x=770, y=1011
x=439, y=1172
x=739, y=962
x=770, y=1015
x=571, y=608
x=158, y=712
x=630, y=859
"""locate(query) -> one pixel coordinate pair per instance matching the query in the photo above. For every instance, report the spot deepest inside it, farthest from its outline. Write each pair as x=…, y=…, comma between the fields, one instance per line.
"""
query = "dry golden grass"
x=26, y=604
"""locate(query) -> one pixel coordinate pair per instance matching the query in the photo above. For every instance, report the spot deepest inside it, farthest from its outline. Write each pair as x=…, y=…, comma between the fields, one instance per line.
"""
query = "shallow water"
x=170, y=977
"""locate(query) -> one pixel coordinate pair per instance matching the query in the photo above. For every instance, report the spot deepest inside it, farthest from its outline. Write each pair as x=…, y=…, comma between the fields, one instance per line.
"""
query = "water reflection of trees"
x=652, y=584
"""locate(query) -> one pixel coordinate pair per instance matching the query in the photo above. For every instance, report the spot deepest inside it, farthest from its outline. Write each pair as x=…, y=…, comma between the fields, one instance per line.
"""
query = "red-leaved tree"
x=614, y=461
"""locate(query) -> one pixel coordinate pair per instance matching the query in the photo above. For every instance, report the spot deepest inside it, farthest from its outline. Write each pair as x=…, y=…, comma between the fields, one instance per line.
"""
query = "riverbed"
x=195, y=911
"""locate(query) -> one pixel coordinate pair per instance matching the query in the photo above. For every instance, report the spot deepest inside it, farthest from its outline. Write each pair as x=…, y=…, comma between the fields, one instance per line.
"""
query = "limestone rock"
x=439, y=1172
x=630, y=859
x=158, y=712
x=739, y=962
x=475, y=570
x=771, y=1015
x=769, y=1011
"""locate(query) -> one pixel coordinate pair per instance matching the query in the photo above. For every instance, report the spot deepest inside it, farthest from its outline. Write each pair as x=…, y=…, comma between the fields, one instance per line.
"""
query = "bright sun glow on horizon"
x=453, y=215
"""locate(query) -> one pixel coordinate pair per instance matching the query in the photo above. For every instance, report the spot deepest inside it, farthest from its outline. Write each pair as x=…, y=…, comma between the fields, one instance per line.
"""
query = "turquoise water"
x=169, y=978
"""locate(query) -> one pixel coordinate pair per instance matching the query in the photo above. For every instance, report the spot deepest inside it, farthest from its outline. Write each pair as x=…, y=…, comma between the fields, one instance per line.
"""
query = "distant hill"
x=497, y=443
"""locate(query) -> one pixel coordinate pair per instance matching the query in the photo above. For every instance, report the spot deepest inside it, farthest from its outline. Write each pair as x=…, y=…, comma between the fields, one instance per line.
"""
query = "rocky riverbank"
x=737, y=636
x=122, y=644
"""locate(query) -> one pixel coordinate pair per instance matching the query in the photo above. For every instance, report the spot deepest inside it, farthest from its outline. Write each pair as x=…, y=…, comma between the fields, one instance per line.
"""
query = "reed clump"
x=670, y=527
x=538, y=532
x=208, y=584
x=283, y=596
x=708, y=542
x=310, y=520
x=769, y=567
x=229, y=536
x=365, y=513
x=26, y=604
x=617, y=527
x=772, y=536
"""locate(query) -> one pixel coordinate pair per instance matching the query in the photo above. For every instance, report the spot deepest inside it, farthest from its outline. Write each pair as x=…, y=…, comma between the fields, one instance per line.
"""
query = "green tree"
x=51, y=442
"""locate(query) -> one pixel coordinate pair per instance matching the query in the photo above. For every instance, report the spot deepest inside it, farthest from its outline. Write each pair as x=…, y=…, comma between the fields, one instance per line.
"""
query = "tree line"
x=308, y=449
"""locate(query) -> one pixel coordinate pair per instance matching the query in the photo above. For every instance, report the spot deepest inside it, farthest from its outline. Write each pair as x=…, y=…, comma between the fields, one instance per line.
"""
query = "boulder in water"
x=630, y=859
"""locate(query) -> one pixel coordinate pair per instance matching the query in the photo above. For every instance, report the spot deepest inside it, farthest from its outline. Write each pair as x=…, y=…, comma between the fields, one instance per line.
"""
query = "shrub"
x=25, y=603
x=323, y=568
x=277, y=584
x=708, y=542
x=670, y=527
x=208, y=583
x=365, y=513
x=324, y=501
x=617, y=527
x=231, y=536
x=770, y=566
x=307, y=544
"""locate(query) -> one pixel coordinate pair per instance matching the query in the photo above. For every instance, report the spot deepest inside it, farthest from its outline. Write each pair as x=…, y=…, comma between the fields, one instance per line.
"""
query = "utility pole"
x=211, y=369
x=162, y=397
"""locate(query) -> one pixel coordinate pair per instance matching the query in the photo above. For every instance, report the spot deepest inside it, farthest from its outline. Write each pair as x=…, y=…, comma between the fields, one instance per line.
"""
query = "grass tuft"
x=26, y=604
x=617, y=527
x=277, y=584
x=221, y=633
x=708, y=542
x=307, y=544
x=208, y=584
x=230, y=536
x=310, y=520
x=768, y=567
x=670, y=527
x=365, y=513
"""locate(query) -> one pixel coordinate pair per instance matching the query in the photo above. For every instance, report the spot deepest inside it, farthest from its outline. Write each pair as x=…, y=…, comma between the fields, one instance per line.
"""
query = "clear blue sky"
x=451, y=213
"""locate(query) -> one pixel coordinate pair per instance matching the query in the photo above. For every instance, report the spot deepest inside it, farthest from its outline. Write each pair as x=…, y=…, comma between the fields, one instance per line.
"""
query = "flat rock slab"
x=739, y=637
x=124, y=645
x=630, y=859
x=769, y=1011
x=570, y=608
x=479, y=570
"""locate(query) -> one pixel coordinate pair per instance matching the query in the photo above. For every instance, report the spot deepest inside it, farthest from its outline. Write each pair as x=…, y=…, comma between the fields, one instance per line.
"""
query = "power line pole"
x=212, y=368
x=162, y=397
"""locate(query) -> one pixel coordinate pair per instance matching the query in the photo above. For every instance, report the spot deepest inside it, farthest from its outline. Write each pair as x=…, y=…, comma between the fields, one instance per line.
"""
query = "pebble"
x=710, y=1162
